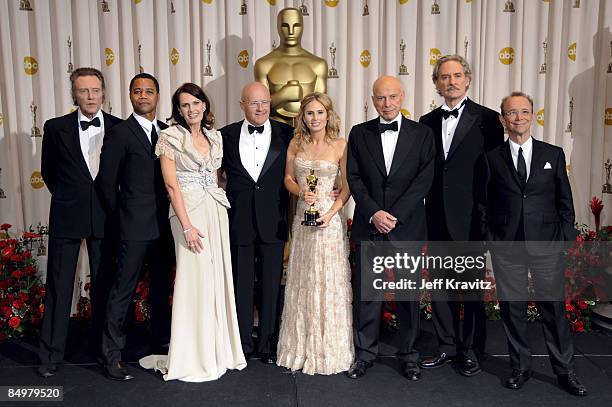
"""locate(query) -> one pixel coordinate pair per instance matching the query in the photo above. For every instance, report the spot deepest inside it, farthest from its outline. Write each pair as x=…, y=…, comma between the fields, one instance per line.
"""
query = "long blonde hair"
x=332, y=129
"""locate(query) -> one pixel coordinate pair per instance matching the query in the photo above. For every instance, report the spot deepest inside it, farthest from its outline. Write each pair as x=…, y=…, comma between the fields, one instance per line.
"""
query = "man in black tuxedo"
x=132, y=190
x=529, y=199
x=254, y=155
x=463, y=131
x=390, y=169
x=70, y=156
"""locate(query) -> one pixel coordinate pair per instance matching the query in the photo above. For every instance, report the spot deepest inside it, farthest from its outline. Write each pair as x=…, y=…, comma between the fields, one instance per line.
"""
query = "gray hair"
x=458, y=58
x=516, y=93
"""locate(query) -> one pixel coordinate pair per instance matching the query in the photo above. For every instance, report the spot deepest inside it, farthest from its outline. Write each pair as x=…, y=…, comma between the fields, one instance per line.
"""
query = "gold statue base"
x=332, y=73
x=403, y=70
x=310, y=217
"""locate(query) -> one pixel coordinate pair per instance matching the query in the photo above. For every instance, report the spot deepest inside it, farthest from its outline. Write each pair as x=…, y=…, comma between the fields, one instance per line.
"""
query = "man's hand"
x=384, y=221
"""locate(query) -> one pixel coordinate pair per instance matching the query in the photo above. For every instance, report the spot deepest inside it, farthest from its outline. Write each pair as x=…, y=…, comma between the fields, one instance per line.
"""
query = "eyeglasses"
x=518, y=113
x=257, y=103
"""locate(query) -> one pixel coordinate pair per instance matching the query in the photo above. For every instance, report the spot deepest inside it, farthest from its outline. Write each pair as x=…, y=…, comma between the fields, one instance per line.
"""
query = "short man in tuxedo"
x=390, y=170
x=132, y=190
x=254, y=155
x=463, y=130
x=529, y=199
x=70, y=157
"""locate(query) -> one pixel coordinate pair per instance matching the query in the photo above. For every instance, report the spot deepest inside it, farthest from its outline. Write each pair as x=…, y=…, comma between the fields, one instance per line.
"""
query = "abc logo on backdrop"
x=365, y=58
x=109, y=56
x=506, y=55
x=36, y=180
x=243, y=58
x=608, y=116
x=30, y=65
x=434, y=55
x=540, y=117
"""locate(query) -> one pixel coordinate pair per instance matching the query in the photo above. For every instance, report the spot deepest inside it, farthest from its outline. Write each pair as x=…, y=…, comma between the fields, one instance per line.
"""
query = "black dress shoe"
x=518, y=379
x=411, y=371
x=469, y=367
x=118, y=371
x=267, y=358
x=571, y=384
x=439, y=360
x=47, y=370
x=358, y=369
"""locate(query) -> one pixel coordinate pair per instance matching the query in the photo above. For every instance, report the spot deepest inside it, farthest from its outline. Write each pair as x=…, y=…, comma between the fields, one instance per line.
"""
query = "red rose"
x=14, y=322
x=5, y=226
x=568, y=272
x=87, y=286
x=18, y=274
x=18, y=304
x=3, y=336
x=7, y=252
x=7, y=311
x=582, y=305
x=569, y=307
x=30, y=235
x=578, y=326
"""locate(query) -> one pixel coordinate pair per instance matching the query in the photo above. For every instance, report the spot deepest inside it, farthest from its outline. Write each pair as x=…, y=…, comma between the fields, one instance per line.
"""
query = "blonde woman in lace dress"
x=316, y=334
x=205, y=341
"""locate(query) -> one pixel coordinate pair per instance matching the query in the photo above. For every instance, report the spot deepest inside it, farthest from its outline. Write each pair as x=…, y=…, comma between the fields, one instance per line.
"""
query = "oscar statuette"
x=311, y=214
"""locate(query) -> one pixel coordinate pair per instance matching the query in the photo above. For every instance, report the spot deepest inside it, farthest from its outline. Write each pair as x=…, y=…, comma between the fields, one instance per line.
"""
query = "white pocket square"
x=547, y=166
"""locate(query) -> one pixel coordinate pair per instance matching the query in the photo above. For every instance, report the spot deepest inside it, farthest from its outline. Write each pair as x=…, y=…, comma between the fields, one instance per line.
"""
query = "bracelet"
x=187, y=230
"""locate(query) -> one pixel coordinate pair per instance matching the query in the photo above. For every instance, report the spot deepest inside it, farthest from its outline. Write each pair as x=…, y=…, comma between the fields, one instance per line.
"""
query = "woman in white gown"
x=205, y=340
x=316, y=333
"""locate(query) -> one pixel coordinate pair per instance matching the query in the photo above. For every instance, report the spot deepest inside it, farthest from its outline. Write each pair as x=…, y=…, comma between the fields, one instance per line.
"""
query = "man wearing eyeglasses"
x=69, y=165
x=526, y=212
x=254, y=155
x=463, y=131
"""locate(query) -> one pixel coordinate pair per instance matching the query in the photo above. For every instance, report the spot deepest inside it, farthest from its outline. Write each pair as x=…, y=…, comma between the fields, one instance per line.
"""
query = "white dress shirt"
x=91, y=141
x=254, y=148
x=389, y=141
x=527, y=150
x=147, y=125
x=449, y=125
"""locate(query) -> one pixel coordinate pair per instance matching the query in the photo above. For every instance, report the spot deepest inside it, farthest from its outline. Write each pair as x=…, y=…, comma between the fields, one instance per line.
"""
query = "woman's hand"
x=309, y=197
x=192, y=237
x=325, y=219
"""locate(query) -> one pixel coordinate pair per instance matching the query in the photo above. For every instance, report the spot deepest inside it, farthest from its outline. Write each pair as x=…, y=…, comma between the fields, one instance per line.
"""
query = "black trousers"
x=61, y=270
x=367, y=317
x=511, y=268
x=131, y=256
x=264, y=260
x=457, y=337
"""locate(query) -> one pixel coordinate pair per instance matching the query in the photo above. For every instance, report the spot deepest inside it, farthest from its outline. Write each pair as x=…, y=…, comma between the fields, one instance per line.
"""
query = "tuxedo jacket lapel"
x=436, y=127
x=468, y=117
x=404, y=143
x=374, y=144
x=234, y=150
x=70, y=134
x=276, y=145
x=537, y=159
x=507, y=157
x=139, y=132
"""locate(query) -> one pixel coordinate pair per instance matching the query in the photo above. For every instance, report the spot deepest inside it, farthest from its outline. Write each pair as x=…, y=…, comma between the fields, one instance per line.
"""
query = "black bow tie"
x=85, y=124
x=455, y=112
x=382, y=127
x=253, y=128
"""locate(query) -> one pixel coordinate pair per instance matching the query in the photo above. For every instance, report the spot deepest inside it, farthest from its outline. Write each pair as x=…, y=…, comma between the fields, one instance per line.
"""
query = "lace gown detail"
x=205, y=340
x=316, y=333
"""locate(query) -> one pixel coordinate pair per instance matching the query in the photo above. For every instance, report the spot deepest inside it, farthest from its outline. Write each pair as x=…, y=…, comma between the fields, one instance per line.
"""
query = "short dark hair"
x=197, y=92
x=144, y=75
x=516, y=93
x=85, y=71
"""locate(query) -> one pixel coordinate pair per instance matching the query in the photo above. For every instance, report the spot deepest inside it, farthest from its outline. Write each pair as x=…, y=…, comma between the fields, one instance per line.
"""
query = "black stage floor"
x=263, y=385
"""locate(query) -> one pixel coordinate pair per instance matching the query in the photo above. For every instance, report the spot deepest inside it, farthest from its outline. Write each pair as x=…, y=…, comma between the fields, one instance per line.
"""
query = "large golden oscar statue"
x=289, y=71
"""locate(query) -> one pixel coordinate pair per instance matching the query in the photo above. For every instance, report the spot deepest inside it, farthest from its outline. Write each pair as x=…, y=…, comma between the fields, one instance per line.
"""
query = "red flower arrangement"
x=21, y=291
